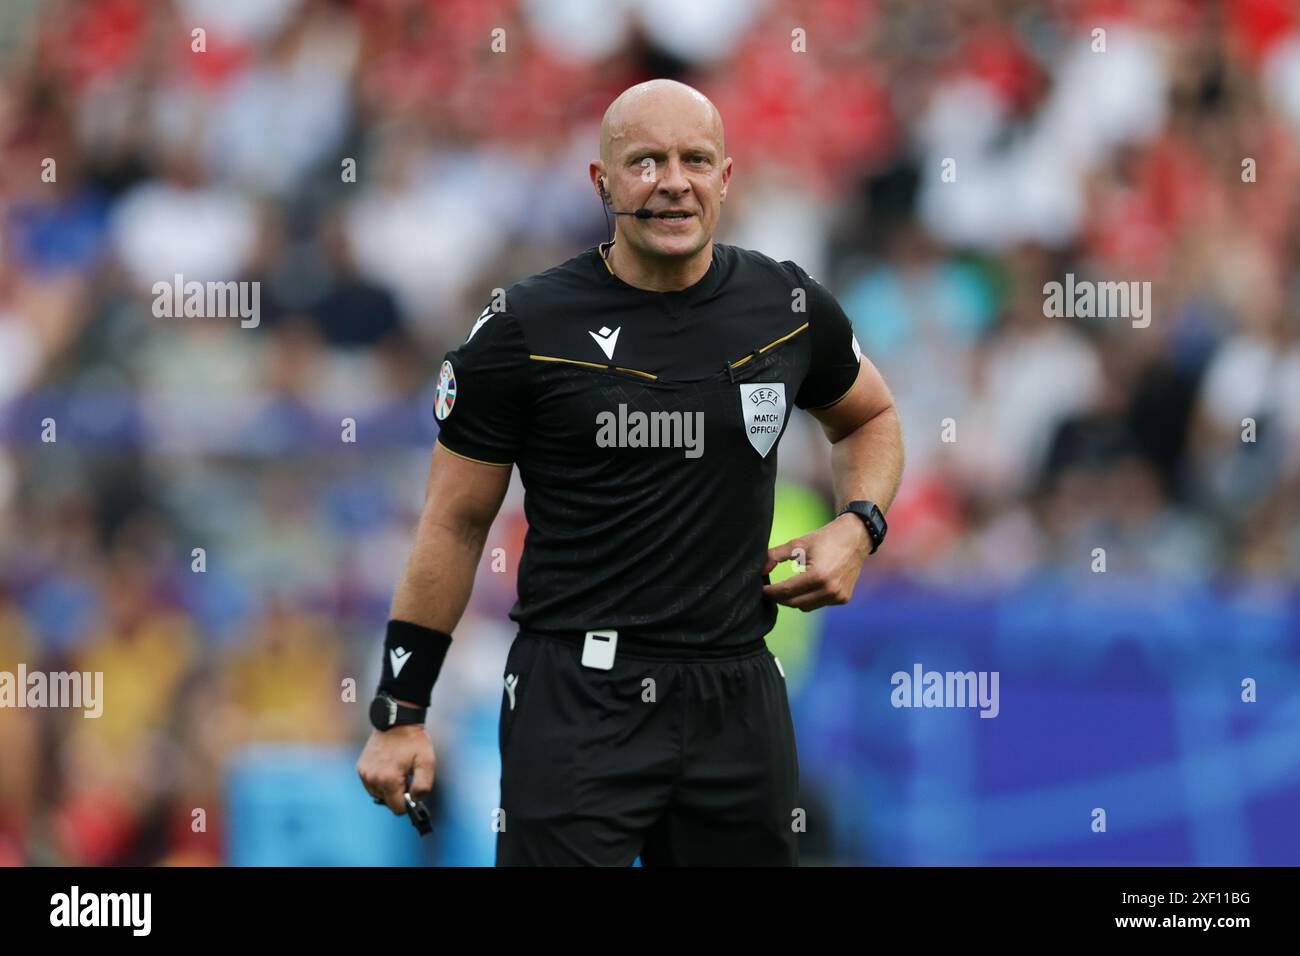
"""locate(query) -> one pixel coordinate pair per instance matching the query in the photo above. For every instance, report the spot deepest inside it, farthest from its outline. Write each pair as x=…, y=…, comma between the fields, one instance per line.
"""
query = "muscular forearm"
x=867, y=463
x=439, y=574
x=461, y=500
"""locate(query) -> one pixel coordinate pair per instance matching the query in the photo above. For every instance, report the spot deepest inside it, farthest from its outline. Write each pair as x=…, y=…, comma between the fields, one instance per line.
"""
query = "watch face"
x=379, y=713
x=871, y=513
x=872, y=517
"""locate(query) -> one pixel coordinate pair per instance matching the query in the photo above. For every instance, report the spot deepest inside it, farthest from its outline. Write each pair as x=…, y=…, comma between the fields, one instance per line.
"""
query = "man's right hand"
x=461, y=499
x=389, y=756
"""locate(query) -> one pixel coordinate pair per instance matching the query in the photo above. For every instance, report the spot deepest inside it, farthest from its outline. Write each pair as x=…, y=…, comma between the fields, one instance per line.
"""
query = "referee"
x=641, y=389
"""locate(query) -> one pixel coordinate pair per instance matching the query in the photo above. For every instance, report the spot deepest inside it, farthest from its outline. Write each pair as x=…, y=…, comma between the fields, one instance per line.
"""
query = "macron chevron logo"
x=398, y=657
x=512, y=681
x=478, y=324
x=607, y=340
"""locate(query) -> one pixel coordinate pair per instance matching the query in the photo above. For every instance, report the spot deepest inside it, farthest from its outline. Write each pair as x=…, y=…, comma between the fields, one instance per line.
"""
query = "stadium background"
x=223, y=688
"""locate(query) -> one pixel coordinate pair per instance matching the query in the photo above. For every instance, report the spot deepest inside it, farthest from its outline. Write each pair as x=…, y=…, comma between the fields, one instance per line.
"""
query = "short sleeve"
x=836, y=354
x=482, y=403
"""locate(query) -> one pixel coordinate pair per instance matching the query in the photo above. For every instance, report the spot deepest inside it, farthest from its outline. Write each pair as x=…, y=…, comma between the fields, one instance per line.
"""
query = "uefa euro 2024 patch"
x=762, y=408
x=445, y=399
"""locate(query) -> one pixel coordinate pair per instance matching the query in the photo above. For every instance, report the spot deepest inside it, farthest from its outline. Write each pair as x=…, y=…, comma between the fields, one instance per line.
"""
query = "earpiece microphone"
x=639, y=213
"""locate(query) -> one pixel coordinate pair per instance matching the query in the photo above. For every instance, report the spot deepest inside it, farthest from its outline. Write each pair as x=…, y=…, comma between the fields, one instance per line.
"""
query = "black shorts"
x=681, y=761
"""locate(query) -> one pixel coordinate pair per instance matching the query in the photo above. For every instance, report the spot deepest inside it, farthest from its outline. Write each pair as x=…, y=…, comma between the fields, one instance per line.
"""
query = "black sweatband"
x=412, y=658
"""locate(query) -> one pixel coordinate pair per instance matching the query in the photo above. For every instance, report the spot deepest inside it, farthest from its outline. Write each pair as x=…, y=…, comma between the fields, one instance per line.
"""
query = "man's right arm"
x=462, y=498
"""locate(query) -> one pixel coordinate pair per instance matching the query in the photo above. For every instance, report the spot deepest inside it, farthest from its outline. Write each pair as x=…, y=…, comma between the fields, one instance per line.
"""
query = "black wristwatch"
x=386, y=713
x=872, y=517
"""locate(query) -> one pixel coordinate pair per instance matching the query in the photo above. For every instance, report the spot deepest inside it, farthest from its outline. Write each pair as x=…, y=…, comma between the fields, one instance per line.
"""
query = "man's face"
x=669, y=159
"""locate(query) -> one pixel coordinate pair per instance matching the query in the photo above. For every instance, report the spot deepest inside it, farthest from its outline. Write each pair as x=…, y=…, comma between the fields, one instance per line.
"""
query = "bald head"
x=662, y=155
x=641, y=105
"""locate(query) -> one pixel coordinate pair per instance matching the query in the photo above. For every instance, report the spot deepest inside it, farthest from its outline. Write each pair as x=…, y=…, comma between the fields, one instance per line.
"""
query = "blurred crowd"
x=181, y=506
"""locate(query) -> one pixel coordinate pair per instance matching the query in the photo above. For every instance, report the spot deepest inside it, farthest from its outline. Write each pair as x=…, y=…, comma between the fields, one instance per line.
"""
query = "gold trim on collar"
x=552, y=358
x=632, y=371
x=769, y=345
x=616, y=368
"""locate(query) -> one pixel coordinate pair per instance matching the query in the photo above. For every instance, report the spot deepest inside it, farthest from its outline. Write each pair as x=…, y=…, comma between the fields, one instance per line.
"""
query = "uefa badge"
x=445, y=398
x=762, y=409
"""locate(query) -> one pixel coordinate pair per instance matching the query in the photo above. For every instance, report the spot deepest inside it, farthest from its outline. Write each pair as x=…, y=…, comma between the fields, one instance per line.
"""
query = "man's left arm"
x=866, y=463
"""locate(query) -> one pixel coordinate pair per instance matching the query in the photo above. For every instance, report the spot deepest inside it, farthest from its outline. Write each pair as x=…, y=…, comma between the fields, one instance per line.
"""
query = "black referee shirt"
x=644, y=426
